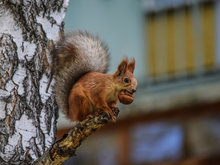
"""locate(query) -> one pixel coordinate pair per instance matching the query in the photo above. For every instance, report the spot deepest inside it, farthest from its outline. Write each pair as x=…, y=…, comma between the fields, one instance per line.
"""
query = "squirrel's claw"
x=111, y=115
x=115, y=111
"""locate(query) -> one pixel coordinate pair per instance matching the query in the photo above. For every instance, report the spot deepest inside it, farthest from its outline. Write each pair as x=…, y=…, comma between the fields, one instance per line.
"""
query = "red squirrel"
x=82, y=85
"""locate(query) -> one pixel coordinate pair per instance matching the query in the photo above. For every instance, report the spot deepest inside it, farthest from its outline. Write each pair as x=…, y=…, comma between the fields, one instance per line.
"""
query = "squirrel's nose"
x=134, y=90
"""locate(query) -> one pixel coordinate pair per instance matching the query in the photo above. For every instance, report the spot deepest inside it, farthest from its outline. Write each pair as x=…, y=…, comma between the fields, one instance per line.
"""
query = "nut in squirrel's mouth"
x=126, y=91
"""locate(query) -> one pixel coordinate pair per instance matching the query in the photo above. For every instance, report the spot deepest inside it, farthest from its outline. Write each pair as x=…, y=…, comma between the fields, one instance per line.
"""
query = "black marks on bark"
x=48, y=114
x=3, y=141
x=19, y=152
x=8, y=59
x=52, y=20
x=34, y=147
x=17, y=110
x=41, y=140
x=3, y=128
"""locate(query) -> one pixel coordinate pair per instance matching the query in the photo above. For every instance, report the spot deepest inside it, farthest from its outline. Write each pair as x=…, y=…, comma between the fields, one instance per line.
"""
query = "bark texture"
x=28, y=111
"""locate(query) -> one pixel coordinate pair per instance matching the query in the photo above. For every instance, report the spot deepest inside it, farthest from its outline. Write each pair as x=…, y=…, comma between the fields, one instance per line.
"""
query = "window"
x=181, y=41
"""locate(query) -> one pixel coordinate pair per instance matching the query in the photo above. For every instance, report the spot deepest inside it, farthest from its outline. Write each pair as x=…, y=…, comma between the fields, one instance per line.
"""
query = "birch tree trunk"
x=28, y=113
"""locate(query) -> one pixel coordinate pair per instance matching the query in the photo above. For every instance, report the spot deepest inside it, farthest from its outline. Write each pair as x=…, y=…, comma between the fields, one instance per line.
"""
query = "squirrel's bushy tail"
x=75, y=54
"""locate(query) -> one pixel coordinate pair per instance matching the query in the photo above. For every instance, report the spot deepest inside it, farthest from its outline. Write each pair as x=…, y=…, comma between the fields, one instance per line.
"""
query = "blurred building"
x=175, y=118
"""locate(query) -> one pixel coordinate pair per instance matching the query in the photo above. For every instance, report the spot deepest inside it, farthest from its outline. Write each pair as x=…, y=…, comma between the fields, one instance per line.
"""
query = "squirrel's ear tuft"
x=131, y=65
x=122, y=67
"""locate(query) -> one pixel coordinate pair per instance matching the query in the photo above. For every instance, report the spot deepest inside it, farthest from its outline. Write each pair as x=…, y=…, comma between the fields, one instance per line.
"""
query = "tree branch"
x=66, y=147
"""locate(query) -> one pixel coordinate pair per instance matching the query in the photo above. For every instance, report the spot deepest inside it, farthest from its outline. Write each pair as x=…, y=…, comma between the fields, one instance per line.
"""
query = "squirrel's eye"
x=126, y=80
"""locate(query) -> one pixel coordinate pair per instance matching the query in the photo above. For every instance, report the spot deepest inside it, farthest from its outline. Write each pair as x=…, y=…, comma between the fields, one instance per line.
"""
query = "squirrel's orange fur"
x=82, y=87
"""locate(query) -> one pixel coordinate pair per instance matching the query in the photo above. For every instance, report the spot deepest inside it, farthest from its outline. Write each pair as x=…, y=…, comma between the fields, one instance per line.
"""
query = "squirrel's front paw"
x=111, y=115
x=116, y=111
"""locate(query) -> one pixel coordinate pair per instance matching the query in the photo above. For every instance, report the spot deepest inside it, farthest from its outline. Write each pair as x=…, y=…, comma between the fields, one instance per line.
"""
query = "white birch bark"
x=28, y=111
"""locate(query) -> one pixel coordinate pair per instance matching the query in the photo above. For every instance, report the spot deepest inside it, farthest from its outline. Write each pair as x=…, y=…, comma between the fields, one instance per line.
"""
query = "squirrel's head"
x=124, y=77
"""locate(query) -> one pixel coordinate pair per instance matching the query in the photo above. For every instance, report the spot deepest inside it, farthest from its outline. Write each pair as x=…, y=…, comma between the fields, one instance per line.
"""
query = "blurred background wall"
x=175, y=118
x=119, y=23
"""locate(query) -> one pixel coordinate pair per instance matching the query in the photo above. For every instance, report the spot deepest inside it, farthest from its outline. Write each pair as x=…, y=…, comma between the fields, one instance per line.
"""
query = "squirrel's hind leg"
x=79, y=105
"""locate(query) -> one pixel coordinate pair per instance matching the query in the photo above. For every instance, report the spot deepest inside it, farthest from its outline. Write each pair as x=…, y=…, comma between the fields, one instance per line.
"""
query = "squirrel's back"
x=74, y=55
